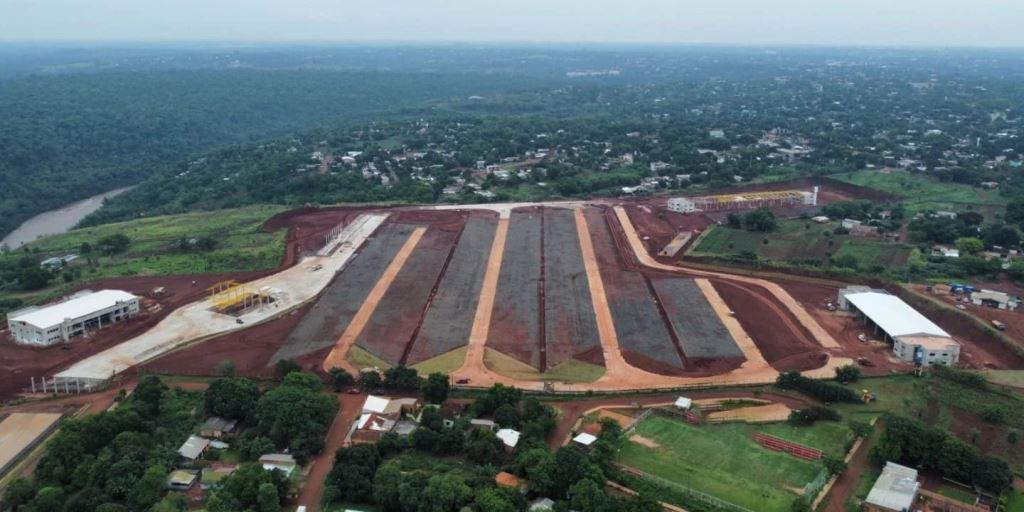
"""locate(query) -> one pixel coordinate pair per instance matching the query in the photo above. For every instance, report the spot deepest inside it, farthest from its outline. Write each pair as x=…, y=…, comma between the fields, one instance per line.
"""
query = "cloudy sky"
x=829, y=22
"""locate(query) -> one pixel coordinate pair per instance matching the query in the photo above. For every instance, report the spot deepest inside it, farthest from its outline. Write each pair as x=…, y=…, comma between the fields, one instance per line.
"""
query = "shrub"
x=821, y=390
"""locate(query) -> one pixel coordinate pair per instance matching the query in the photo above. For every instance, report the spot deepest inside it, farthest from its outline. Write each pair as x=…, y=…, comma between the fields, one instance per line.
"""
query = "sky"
x=815, y=22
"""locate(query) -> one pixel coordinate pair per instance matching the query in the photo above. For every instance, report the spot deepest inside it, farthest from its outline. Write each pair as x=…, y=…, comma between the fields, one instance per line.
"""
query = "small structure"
x=894, y=491
x=385, y=405
x=212, y=477
x=994, y=299
x=508, y=480
x=57, y=262
x=915, y=338
x=371, y=426
x=282, y=462
x=181, y=480
x=584, y=439
x=683, y=403
x=509, y=437
x=482, y=423
x=849, y=224
x=47, y=325
x=215, y=427
x=819, y=219
x=542, y=504
x=194, y=448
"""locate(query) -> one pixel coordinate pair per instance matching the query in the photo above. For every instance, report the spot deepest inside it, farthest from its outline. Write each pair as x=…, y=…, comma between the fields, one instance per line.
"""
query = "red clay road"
x=313, y=490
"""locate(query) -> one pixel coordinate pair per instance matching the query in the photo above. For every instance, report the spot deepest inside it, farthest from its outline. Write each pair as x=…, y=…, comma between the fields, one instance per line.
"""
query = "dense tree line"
x=819, y=389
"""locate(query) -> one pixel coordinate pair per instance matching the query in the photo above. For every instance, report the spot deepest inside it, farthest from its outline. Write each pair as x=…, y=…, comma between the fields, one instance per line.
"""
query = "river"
x=57, y=221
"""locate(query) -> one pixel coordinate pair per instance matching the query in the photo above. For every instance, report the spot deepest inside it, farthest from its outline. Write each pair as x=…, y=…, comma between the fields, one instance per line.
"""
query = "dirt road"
x=348, y=412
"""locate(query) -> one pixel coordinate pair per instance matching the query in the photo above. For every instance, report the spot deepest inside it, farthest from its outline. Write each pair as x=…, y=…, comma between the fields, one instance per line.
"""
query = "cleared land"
x=515, y=322
x=701, y=332
x=197, y=322
x=570, y=327
x=338, y=356
x=393, y=323
x=449, y=318
x=642, y=334
x=323, y=325
x=720, y=460
x=20, y=431
x=922, y=192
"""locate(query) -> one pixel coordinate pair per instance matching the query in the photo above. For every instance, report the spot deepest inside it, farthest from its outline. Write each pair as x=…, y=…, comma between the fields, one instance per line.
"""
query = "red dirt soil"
x=251, y=349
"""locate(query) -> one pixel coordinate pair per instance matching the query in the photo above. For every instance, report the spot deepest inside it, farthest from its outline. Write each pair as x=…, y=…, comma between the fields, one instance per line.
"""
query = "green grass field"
x=240, y=245
x=798, y=240
x=569, y=371
x=725, y=462
x=921, y=192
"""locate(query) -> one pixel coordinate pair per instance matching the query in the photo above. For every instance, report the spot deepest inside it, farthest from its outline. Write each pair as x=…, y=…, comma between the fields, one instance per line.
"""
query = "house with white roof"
x=894, y=491
x=85, y=311
x=509, y=437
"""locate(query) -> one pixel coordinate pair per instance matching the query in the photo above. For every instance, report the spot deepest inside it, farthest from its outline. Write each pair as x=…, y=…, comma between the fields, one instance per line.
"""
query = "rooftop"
x=585, y=439
x=509, y=437
x=894, y=316
x=895, y=488
x=54, y=314
x=193, y=447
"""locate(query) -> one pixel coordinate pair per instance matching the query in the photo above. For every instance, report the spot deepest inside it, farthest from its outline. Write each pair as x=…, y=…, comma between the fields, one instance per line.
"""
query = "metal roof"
x=193, y=447
x=508, y=436
x=894, y=316
x=895, y=488
x=53, y=315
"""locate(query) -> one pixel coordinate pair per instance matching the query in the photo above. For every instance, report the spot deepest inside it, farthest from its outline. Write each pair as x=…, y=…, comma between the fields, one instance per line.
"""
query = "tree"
x=19, y=492
x=507, y=416
x=370, y=381
x=834, y=465
x=386, y=487
x=587, y=495
x=991, y=474
x=483, y=447
x=34, y=278
x=847, y=374
x=445, y=492
x=225, y=368
x=148, y=488
x=969, y=245
x=295, y=417
x=286, y=366
x=492, y=500
x=233, y=398
x=172, y=502
x=761, y=219
x=401, y=378
x=435, y=389
x=340, y=379
x=734, y=220
x=303, y=380
x=1015, y=211
x=267, y=499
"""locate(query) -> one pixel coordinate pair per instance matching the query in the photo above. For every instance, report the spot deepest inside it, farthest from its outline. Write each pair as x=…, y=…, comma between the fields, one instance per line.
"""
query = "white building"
x=681, y=205
x=47, y=325
x=915, y=338
x=895, y=489
x=994, y=299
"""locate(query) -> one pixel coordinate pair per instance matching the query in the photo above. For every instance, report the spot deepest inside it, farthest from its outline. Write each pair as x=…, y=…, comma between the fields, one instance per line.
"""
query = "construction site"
x=569, y=296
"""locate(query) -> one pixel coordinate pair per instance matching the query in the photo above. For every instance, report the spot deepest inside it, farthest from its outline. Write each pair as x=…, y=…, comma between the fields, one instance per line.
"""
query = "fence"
x=781, y=445
x=815, y=486
x=694, y=494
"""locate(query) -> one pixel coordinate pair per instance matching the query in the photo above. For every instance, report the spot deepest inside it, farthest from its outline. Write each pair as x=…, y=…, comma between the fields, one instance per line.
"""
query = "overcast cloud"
x=829, y=22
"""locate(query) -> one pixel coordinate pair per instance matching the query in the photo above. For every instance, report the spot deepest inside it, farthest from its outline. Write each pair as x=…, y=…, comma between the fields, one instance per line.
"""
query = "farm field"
x=796, y=240
x=722, y=461
x=921, y=192
x=241, y=244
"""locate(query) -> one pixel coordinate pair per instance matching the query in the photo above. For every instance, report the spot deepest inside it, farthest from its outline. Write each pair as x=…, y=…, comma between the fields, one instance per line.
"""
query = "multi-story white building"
x=86, y=311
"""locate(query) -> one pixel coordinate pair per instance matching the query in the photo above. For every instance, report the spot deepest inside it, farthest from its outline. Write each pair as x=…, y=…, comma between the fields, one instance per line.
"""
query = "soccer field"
x=725, y=462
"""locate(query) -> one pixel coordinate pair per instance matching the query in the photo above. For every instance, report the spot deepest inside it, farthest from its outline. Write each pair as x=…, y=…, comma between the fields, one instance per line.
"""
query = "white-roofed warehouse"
x=62, y=321
x=915, y=338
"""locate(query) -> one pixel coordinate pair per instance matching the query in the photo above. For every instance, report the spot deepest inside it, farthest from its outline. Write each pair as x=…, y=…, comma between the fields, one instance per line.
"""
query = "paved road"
x=313, y=490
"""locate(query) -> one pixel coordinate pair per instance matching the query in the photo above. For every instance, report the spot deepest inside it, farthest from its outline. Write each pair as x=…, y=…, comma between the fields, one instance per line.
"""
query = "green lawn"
x=797, y=239
x=723, y=461
x=241, y=245
x=1016, y=502
x=921, y=192
x=957, y=493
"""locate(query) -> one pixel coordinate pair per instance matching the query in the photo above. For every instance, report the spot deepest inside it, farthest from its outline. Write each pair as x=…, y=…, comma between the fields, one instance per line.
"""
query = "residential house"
x=508, y=437
x=193, y=449
x=282, y=462
x=181, y=480
x=215, y=427
x=584, y=439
